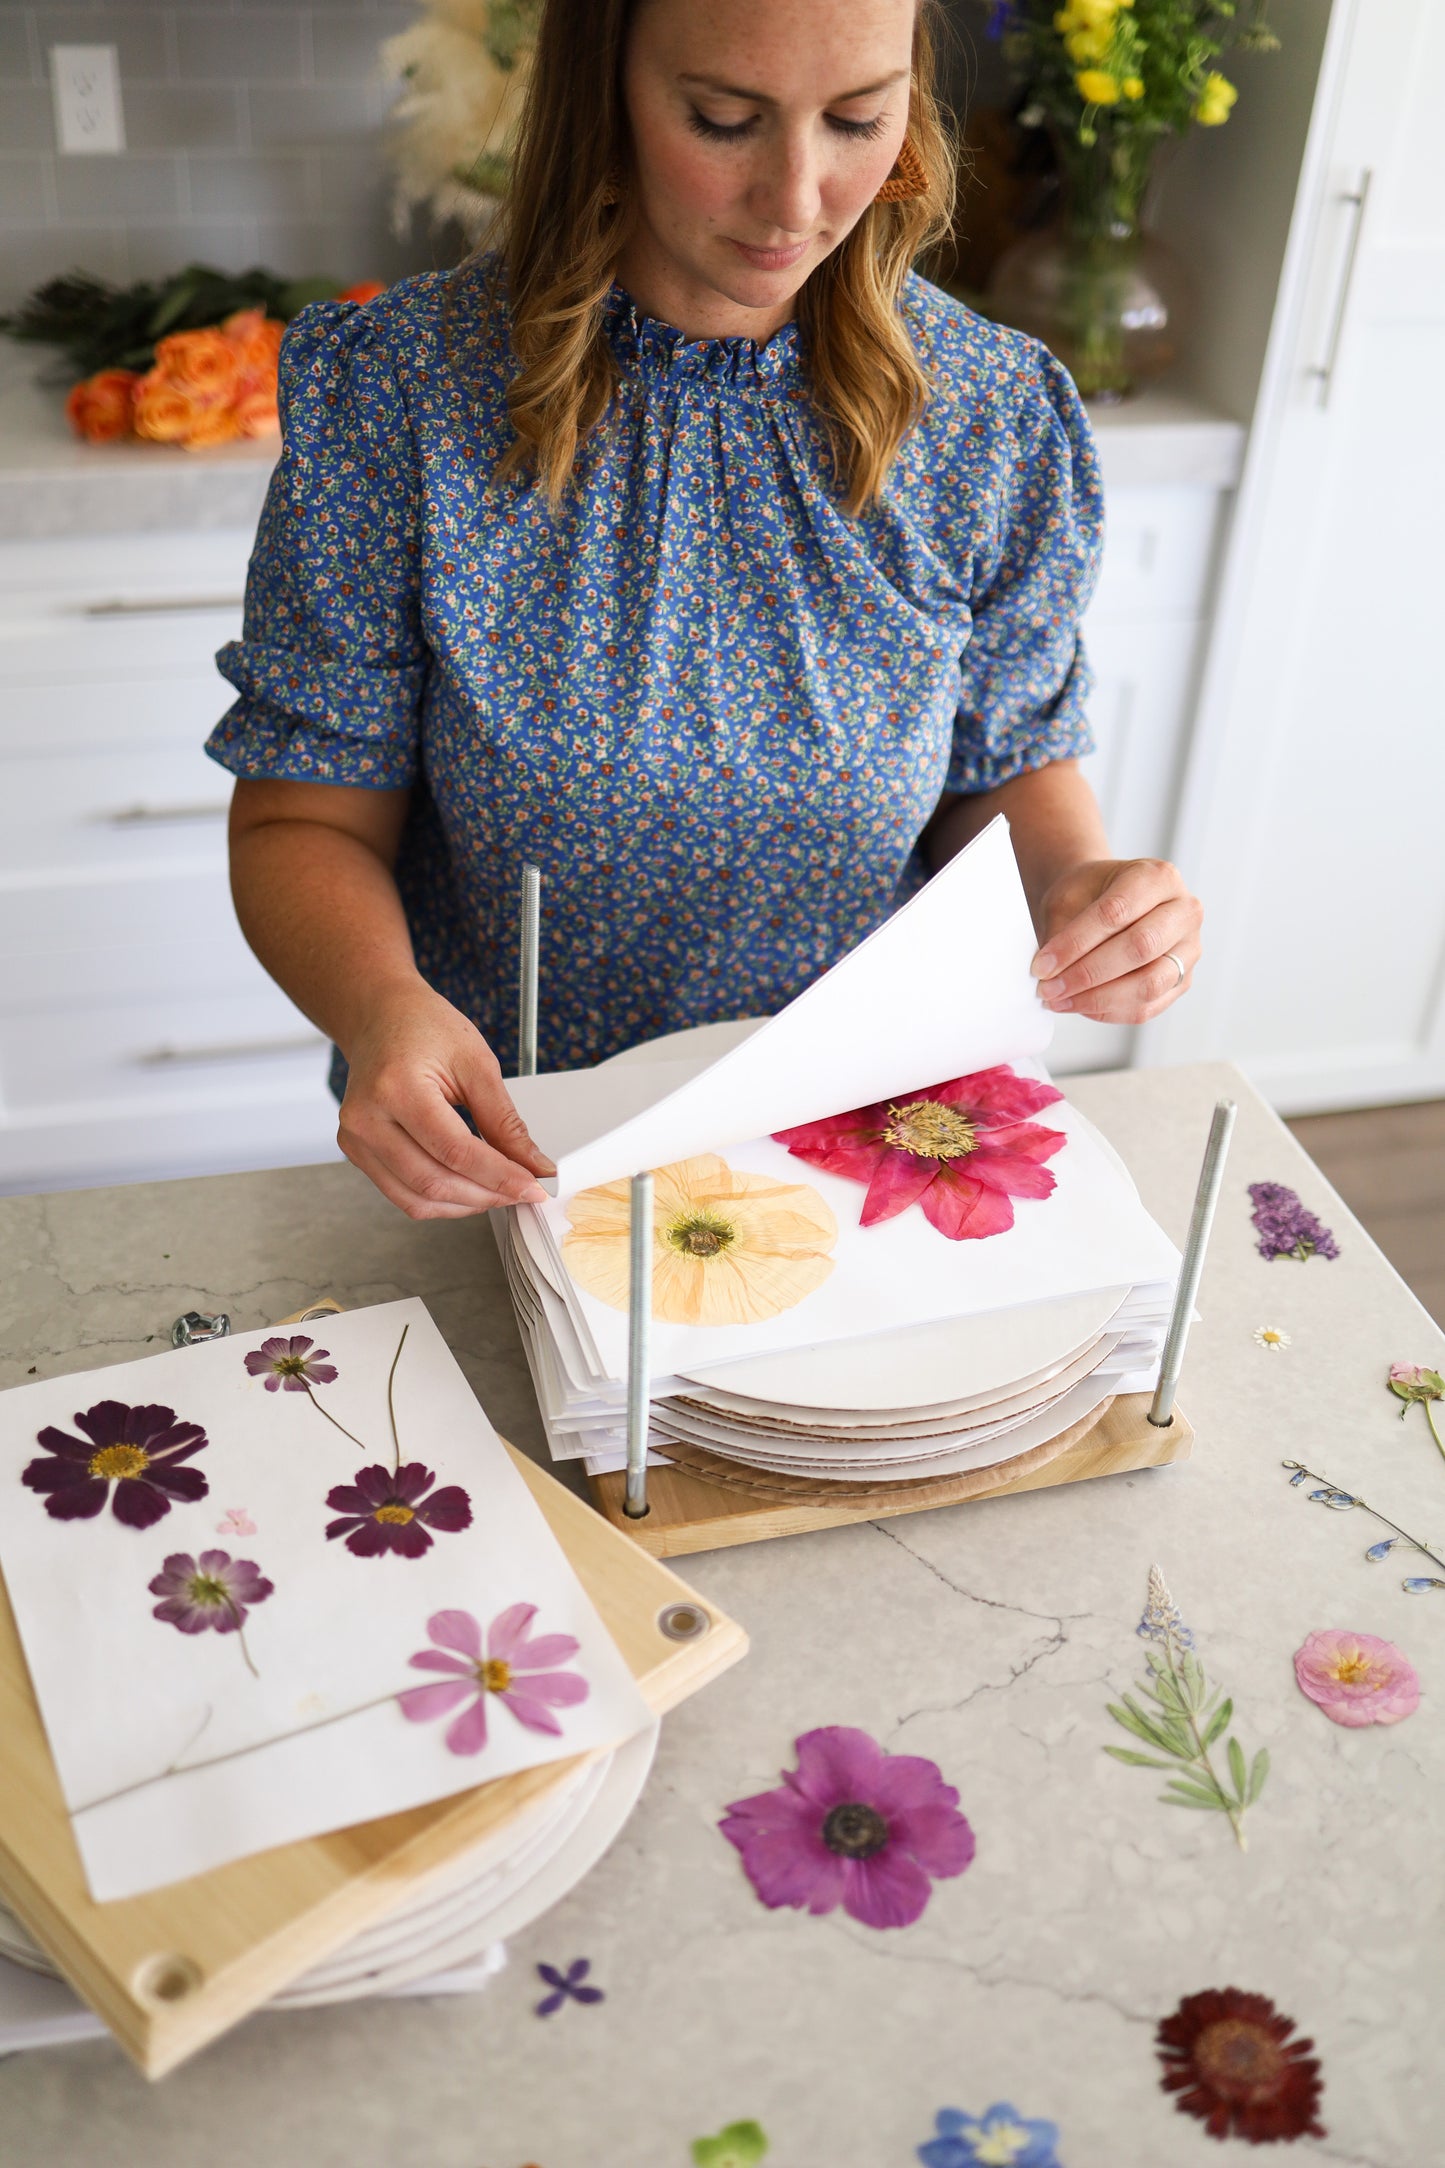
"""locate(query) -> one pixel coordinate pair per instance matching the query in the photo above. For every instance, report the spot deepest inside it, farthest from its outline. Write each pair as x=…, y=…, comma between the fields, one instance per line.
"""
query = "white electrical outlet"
x=85, y=83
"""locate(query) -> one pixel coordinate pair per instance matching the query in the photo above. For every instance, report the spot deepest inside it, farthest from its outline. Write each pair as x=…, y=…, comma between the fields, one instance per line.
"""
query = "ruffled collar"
x=656, y=349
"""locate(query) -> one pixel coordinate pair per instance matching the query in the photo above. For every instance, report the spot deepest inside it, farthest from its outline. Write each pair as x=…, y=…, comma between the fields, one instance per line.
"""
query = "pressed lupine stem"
x=1234, y=1813
x=390, y=1403
x=331, y=1419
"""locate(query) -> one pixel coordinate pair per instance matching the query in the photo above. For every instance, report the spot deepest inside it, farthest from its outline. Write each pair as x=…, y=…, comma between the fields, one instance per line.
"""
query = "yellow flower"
x=728, y=1248
x=1096, y=87
x=1215, y=100
x=1085, y=45
x=1065, y=21
x=1133, y=86
x=1094, y=14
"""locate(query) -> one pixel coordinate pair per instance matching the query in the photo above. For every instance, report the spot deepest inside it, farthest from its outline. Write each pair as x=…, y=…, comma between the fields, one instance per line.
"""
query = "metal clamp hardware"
x=1324, y=371
x=197, y=1326
x=639, y=1348
x=1206, y=1198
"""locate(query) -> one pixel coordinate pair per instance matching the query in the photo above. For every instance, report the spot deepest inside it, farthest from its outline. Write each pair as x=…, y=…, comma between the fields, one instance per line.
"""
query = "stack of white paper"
x=787, y=1335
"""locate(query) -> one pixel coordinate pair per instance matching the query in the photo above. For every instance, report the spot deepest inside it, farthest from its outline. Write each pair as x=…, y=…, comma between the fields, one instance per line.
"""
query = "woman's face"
x=761, y=131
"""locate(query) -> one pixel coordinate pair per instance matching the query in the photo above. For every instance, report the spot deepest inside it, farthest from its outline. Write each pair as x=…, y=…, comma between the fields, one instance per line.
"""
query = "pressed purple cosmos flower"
x=382, y=1511
x=509, y=1666
x=139, y=1450
x=291, y=1365
x=567, y=1984
x=210, y=1593
x=1285, y=1228
x=852, y=1825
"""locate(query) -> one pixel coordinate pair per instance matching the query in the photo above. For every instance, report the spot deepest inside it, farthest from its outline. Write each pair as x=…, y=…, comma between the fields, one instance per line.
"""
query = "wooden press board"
x=170, y=1970
x=692, y=1511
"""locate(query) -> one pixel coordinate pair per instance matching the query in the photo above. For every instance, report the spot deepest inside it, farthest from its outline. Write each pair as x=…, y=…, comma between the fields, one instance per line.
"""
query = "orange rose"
x=211, y=425
x=201, y=363
x=256, y=339
x=163, y=410
x=256, y=414
x=100, y=409
x=366, y=291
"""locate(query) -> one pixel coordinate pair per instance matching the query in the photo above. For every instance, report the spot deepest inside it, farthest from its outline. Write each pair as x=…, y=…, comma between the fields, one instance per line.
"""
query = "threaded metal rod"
x=527, y=988
x=639, y=1347
x=1206, y=1197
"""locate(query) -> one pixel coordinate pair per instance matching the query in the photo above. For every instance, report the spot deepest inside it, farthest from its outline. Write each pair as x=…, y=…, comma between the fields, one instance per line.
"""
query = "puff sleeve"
x=1024, y=679
x=330, y=668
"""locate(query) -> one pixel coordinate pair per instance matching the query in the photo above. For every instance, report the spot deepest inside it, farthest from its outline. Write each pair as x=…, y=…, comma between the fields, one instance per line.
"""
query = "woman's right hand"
x=416, y=1060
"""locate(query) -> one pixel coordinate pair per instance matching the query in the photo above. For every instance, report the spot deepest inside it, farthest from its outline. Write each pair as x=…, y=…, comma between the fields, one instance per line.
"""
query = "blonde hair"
x=566, y=219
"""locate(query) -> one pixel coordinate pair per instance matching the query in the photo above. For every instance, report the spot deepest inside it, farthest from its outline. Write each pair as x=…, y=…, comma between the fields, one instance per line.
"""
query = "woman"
x=694, y=549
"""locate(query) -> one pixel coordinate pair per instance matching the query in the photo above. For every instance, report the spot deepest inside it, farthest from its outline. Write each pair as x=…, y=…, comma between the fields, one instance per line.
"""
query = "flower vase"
x=1100, y=292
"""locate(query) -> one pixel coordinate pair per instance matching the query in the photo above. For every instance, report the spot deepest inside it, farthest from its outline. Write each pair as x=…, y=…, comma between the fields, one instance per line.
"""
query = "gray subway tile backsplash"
x=254, y=132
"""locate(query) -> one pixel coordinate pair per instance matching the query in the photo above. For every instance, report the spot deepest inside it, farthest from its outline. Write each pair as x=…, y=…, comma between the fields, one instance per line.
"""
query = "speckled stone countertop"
x=51, y=485
x=987, y=1637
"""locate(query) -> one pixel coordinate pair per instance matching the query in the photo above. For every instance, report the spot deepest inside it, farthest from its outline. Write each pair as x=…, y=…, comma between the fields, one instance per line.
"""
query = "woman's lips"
x=772, y=259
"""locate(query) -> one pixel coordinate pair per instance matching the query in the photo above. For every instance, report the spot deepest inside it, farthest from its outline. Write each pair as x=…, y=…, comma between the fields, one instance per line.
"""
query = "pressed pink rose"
x=1356, y=1678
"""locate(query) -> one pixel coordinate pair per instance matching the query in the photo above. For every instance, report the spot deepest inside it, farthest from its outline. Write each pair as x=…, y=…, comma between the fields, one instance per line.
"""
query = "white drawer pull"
x=159, y=816
x=179, y=1057
x=158, y=605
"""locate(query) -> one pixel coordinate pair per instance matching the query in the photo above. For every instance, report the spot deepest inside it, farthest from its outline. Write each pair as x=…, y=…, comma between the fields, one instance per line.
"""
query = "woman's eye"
x=863, y=128
x=716, y=131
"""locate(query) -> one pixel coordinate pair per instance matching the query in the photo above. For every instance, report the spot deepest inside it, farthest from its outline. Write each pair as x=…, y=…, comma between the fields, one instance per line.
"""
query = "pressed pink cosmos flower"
x=291, y=1365
x=210, y=1593
x=382, y=1511
x=1357, y=1678
x=962, y=1150
x=510, y=1666
x=140, y=1450
x=851, y=1825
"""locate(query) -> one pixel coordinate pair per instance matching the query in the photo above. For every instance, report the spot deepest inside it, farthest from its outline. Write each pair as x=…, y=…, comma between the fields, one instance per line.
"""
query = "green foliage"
x=97, y=326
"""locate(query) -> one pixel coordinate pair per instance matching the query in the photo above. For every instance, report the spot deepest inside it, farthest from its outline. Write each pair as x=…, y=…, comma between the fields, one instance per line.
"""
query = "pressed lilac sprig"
x=1412, y=1383
x=1185, y=1720
x=211, y=1593
x=1343, y=1501
x=1286, y=1228
x=567, y=1986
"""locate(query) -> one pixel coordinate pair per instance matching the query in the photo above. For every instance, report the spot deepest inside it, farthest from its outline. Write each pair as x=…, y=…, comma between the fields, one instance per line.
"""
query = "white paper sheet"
x=940, y=989
x=172, y=1757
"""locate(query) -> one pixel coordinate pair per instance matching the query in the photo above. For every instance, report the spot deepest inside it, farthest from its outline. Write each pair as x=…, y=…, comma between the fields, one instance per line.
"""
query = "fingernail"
x=1051, y=989
x=535, y=1195
x=1045, y=964
x=1060, y=1008
x=542, y=1163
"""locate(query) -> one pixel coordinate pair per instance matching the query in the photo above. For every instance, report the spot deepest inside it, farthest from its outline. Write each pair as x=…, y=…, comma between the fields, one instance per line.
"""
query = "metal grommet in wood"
x=683, y=1621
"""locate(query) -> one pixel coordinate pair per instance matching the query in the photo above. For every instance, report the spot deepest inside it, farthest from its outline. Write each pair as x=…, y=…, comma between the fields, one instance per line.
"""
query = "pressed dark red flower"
x=139, y=1450
x=382, y=1511
x=961, y=1150
x=1230, y=2058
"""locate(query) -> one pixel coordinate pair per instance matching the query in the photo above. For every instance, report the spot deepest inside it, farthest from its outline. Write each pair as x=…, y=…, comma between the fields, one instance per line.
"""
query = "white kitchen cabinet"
x=138, y=1035
x=1310, y=815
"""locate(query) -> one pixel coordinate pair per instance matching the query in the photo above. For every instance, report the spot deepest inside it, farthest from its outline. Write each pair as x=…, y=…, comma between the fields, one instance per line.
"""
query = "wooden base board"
x=688, y=1512
x=170, y=1970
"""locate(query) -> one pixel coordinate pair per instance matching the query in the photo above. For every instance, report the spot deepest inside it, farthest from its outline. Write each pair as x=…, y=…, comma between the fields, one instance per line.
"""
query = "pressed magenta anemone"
x=962, y=1150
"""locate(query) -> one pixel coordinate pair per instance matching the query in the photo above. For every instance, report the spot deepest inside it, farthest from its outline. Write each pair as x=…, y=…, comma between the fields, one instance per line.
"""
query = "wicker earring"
x=908, y=178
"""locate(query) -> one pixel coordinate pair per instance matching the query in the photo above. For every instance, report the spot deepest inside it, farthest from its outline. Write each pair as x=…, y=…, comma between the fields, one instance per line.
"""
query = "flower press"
x=874, y=1260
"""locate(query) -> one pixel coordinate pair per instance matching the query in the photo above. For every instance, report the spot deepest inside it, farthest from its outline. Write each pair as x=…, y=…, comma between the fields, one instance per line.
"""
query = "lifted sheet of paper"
x=283, y=1583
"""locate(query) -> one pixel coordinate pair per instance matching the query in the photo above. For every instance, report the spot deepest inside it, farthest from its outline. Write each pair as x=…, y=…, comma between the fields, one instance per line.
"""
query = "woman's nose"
x=786, y=190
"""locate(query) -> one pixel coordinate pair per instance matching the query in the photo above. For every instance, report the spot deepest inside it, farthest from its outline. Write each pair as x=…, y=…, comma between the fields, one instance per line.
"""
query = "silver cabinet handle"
x=1324, y=371
x=182, y=1057
x=159, y=605
x=159, y=816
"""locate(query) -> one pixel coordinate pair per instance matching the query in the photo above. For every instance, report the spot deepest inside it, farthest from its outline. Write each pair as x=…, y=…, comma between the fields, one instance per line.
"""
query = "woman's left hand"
x=1112, y=928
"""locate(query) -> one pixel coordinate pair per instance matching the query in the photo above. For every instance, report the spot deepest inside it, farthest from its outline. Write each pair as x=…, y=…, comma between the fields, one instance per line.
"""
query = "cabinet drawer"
x=124, y=567
x=1159, y=549
x=1143, y=696
x=89, y=812
x=176, y=1049
x=106, y=714
x=83, y=941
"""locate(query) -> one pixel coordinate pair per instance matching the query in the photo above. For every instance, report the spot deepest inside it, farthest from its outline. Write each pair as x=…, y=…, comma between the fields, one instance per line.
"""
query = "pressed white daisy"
x=1271, y=1337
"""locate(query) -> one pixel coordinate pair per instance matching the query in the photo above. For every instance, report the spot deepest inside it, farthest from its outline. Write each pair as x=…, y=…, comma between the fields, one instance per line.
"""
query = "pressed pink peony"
x=852, y=1825
x=962, y=1150
x=1357, y=1678
x=510, y=1666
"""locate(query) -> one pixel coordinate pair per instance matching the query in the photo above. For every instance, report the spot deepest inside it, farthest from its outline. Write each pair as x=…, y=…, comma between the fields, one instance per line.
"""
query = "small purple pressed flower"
x=852, y=1825
x=1285, y=1228
x=212, y=1592
x=291, y=1365
x=139, y=1450
x=567, y=1984
x=509, y=1666
x=383, y=1511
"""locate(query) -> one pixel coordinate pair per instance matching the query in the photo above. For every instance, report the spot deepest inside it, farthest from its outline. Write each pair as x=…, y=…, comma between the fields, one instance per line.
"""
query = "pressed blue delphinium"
x=999, y=2138
x=1343, y=1501
x=1184, y=1719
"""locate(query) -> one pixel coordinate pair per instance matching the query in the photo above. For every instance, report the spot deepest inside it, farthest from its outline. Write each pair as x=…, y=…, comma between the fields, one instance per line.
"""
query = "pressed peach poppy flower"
x=727, y=1248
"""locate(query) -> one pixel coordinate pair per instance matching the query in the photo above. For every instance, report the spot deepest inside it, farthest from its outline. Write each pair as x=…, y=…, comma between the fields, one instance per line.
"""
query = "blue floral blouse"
x=715, y=711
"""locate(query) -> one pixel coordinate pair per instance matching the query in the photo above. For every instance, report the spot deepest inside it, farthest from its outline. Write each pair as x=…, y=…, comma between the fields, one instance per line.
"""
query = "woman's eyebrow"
x=759, y=97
